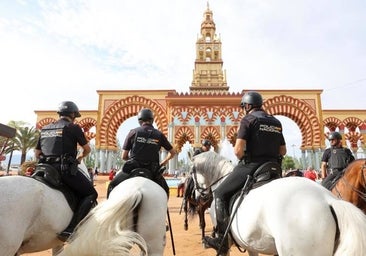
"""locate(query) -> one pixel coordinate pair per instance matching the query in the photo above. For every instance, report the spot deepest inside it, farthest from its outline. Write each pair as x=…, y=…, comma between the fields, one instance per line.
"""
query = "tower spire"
x=208, y=75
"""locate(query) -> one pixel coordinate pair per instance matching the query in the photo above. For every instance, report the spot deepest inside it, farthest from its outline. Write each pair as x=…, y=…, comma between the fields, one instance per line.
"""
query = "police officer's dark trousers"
x=233, y=183
x=162, y=182
x=88, y=196
x=331, y=178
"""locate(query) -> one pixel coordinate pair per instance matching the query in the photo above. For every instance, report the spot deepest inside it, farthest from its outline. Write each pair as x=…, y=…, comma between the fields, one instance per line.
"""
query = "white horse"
x=31, y=215
x=137, y=204
x=289, y=216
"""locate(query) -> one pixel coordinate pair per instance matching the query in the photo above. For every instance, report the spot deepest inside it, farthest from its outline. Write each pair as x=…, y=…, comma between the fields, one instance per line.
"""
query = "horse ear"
x=189, y=153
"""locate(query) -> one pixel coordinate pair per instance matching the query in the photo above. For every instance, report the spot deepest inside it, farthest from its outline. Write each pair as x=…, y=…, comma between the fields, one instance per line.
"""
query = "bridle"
x=204, y=191
x=205, y=194
x=360, y=193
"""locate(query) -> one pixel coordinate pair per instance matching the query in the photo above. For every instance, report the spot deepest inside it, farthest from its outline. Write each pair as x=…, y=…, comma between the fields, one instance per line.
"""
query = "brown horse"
x=352, y=185
x=193, y=203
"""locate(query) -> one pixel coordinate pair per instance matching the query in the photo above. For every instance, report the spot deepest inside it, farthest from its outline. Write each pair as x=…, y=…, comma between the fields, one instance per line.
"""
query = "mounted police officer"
x=206, y=146
x=57, y=146
x=259, y=140
x=335, y=159
x=141, y=149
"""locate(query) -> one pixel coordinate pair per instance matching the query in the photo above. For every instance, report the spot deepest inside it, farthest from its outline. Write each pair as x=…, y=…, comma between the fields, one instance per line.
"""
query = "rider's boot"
x=219, y=243
x=159, y=179
x=84, y=207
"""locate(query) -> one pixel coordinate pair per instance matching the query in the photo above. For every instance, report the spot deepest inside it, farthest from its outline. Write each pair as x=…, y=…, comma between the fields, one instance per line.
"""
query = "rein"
x=361, y=194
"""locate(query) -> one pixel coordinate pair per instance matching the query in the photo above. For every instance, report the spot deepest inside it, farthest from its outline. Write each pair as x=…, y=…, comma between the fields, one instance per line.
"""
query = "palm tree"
x=25, y=139
x=4, y=144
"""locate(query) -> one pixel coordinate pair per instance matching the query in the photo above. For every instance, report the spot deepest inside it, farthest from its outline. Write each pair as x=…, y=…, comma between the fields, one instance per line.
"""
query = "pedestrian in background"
x=310, y=173
x=180, y=189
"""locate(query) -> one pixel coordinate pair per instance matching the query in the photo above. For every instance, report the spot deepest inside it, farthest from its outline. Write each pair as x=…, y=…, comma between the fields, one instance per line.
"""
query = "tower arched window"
x=208, y=54
x=208, y=37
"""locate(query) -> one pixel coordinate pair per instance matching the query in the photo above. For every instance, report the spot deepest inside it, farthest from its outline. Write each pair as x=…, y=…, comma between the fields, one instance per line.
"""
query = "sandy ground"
x=187, y=243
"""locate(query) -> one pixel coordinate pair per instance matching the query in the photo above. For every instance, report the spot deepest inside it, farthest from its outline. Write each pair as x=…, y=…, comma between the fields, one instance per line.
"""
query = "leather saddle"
x=331, y=180
x=49, y=175
x=141, y=172
x=122, y=176
x=264, y=174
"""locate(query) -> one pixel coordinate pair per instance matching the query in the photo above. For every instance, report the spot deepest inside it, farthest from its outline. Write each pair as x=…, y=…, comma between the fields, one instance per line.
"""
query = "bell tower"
x=208, y=75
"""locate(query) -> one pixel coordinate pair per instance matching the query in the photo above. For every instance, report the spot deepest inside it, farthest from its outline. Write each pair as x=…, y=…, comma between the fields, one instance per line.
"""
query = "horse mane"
x=212, y=165
x=352, y=171
x=351, y=167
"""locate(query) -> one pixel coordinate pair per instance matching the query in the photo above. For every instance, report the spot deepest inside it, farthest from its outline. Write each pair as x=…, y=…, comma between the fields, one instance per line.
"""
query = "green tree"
x=119, y=161
x=25, y=139
x=288, y=163
x=90, y=159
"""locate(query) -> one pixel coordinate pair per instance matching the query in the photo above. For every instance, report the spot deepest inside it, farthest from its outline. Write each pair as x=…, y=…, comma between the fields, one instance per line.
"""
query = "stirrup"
x=212, y=242
x=64, y=235
x=215, y=243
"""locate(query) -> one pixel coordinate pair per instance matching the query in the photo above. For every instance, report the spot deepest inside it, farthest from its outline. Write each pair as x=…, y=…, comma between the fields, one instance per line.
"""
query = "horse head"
x=209, y=167
x=351, y=186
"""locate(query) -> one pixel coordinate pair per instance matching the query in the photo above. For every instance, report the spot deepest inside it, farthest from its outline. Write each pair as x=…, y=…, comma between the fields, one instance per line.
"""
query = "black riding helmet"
x=68, y=107
x=252, y=98
x=206, y=143
x=145, y=114
x=335, y=136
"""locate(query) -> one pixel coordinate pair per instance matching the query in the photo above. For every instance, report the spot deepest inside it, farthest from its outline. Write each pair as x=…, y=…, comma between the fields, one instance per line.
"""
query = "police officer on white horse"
x=141, y=149
x=57, y=146
x=259, y=140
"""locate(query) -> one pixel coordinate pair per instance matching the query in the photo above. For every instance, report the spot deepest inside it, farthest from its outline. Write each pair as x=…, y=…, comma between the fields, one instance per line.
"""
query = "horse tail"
x=189, y=196
x=106, y=229
x=351, y=223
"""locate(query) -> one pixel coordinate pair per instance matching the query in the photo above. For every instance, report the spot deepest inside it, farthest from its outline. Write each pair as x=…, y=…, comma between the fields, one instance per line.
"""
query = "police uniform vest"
x=52, y=138
x=146, y=145
x=338, y=159
x=265, y=138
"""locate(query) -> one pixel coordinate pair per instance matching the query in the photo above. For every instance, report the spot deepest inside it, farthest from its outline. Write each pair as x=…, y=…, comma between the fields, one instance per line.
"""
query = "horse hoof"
x=204, y=246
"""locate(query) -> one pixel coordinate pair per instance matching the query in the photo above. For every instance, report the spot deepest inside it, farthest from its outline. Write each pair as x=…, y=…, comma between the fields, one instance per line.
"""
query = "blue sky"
x=52, y=51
